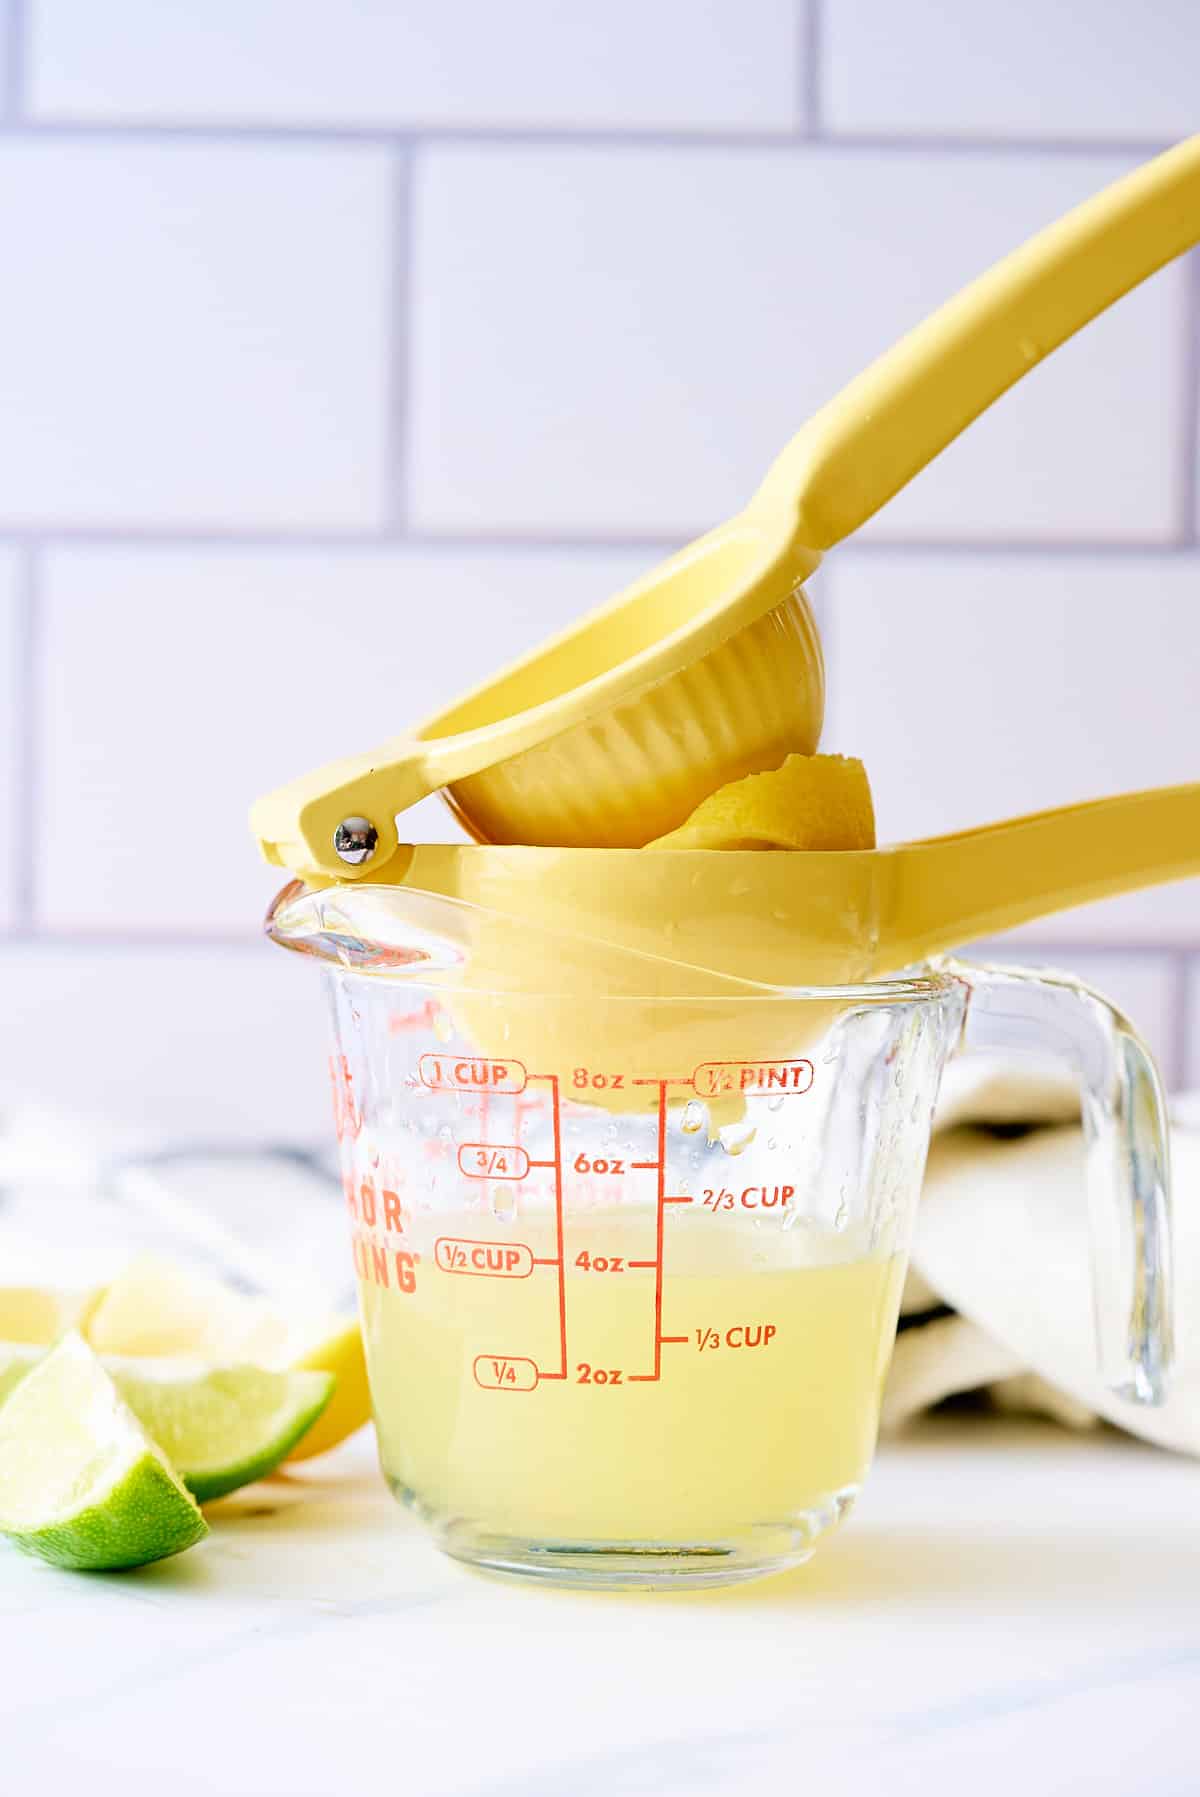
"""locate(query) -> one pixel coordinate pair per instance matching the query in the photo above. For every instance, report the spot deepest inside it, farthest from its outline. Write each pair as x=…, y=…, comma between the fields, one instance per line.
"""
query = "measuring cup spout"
x=406, y=931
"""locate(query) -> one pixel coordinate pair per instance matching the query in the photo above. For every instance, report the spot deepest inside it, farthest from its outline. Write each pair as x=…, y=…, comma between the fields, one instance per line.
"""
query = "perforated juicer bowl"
x=635, y=771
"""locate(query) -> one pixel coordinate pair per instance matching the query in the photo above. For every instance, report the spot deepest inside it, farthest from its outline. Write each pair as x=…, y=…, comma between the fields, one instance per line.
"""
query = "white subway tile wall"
x=16, y=835
x=347, y=348
x=617, y=341
x=626, y=65
x=194, y=334
x=1041, y=69
x=251, y=665
x=981, y=688
x=209, y=1042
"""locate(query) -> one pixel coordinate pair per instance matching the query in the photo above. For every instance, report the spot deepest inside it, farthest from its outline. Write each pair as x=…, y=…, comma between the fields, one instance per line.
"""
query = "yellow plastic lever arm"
x=881, y=430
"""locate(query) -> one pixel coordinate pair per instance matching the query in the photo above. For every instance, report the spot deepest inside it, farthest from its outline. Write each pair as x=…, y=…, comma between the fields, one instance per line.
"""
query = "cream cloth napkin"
x=999, y=1291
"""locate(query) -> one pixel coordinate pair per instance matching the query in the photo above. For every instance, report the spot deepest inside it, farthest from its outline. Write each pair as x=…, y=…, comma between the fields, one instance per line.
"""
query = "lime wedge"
x=81, y=1483
x=156, y=1309
x=220, y=1427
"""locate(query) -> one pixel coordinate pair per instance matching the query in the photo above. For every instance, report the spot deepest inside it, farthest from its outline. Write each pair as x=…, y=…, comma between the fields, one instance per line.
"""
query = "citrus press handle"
x=339, y=821
x=951, y=889
x=1126, y=1155
x=902, y=411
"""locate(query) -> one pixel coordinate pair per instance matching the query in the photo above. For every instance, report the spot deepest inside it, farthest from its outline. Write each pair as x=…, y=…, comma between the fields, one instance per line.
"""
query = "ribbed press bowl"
x=621, y=779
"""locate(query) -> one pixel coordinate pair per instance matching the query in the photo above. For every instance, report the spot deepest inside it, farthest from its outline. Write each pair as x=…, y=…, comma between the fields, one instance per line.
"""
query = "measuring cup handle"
x=1127, y=1154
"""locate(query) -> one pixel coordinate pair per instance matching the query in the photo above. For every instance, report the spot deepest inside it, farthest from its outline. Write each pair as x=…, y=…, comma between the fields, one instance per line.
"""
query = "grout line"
x=15, y=31
x=278, y=133
x=1177, y=953
x=120, y=941
x=26, y=785
x=1017, y=547
x=812, y=42
x=1178, y=1070
x=1190, y=435
x=399, y=327
x=1114, y=948
x=363, y=542
x=367, y=540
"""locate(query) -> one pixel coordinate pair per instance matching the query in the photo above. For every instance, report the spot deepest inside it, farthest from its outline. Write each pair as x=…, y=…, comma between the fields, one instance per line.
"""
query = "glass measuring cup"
x=630, y=1238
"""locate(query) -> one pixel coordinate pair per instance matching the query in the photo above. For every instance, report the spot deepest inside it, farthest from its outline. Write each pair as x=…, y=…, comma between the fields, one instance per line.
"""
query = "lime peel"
x=82, y=1484
x=220, y=1427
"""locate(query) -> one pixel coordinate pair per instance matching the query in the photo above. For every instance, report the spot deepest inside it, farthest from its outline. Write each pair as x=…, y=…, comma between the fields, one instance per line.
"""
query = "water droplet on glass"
x=693, y=1117
x=772, y=1143
x=735, y=1138
x=504, y=1204
x=842, y=1215
x=829, y=1057
x=775, y=1101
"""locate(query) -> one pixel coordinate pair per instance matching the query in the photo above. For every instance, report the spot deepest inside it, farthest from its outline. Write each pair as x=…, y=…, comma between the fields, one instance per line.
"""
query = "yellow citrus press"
x=709, y=668
x=631, y=1136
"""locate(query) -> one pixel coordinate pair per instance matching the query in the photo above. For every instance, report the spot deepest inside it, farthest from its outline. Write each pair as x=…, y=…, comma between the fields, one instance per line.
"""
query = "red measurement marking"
x=493, y=1160
x=424, y=1019
x=678, y=1198
x=741, y=1335
x=526, y=1106
x=558, y=1223
x=750, y=1335
x=483, y=1260
x=749, y=1198
x=383, y=1265
x=503, y=1372
x=712, y=1078
x=673, y=1338
x=347, y=1118
x=446, y=1073
x=374, y=1208
x=661, y=1169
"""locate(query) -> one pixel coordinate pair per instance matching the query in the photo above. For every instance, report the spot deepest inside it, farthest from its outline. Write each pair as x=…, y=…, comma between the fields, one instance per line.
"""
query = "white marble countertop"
x=1013, y=1608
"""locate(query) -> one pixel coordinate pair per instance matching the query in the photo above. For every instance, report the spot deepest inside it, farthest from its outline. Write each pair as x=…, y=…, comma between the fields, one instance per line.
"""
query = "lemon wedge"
x=811, y=802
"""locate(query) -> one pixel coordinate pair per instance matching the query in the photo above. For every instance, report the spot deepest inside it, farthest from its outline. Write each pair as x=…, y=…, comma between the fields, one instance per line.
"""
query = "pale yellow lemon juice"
x=764, y=1408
